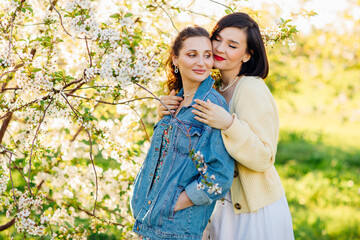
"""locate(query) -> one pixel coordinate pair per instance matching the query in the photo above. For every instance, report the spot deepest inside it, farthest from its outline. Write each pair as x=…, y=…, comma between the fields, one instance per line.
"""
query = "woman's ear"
x=248, y=56
x=174, y=59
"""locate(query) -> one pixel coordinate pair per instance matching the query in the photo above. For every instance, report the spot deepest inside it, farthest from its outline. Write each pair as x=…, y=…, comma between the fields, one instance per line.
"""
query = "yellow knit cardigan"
x=252, y=141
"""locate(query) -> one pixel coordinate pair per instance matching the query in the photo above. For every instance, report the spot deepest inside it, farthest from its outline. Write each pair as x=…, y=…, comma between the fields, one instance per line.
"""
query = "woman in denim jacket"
x=172, y=197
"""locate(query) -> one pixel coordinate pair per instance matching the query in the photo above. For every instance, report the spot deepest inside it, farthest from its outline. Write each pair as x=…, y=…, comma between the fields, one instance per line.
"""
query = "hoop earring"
x=176, y=70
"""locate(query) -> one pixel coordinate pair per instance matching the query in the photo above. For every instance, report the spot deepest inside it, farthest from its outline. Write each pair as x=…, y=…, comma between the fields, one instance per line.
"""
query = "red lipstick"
x=218, y=58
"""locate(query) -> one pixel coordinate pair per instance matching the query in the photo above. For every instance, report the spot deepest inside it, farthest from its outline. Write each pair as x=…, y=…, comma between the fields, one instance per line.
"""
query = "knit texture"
x=252, y=141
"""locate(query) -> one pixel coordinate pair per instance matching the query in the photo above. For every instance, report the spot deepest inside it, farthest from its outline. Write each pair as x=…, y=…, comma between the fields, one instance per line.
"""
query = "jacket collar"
x=203, y=90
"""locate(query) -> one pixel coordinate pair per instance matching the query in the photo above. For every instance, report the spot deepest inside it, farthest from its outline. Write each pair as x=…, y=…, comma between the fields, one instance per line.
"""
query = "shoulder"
x=216, y=98
x=251, y=86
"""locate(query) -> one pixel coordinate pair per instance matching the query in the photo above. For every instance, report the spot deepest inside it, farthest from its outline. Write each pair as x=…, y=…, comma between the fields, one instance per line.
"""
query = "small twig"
x=14, y=70
x=89, y=213
x=61, y=21
x=73, y=82
x=12, y=25
x=65, y=90
x=10, y=89
x=109, y=103
x=88, y=50
x=25, y=105
x=155, y=97
x=91, y=157
x=22, y=174
x=29, y=25
x=33, y=142
x=7, y=225
x=81, y=128
x=12, y=182
x=221, y=4
x=142, y=123
x=77, y=133
x=172, y=22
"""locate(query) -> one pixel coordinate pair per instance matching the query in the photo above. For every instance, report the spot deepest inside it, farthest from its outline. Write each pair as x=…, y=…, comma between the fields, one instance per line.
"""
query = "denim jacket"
x=153, y=207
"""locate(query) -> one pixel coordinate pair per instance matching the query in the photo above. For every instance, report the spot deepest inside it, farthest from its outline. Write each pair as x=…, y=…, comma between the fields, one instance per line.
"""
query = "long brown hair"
x=174, y=81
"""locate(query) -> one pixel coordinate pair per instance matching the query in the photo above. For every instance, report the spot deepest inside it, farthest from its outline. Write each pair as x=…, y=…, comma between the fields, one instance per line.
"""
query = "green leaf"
x=128, y=15
x=36, y=69
x=115, y=15
x=30, y=9
x=228, y=11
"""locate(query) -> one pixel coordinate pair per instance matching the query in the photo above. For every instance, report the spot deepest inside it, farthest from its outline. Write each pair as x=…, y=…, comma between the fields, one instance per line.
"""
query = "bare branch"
x=12, y=183
x=167, y=14
x=14, y=70
x=7, y=225
x=4, y=127
x=61, y=21
x=88, y=50
x=222, y=5
x=12, y=24
x=91, y=157
x=89, y=213
x=25, y=105
x=33, y=142
x=142, y=123
x=109, y=103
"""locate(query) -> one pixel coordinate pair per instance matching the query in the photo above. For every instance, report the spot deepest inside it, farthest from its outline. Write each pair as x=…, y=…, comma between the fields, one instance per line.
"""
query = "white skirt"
x=273, y=222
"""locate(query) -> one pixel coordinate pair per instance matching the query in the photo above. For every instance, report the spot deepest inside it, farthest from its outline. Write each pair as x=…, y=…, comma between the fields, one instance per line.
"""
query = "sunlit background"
x=316, y=83
x=315, y=79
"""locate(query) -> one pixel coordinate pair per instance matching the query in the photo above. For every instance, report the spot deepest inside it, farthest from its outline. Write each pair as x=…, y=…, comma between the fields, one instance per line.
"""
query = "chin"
x=218, y=65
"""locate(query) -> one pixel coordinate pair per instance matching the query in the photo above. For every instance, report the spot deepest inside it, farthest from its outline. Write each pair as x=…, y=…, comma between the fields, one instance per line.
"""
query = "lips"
x=218, y=58
x=199, y=71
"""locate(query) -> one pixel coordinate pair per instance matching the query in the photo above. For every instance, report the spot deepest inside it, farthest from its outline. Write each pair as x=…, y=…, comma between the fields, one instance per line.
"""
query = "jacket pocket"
x=188, y=137
x=171, y=211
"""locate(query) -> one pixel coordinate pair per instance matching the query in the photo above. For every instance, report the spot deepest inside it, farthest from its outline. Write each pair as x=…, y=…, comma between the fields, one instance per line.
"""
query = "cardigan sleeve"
x=252, y=138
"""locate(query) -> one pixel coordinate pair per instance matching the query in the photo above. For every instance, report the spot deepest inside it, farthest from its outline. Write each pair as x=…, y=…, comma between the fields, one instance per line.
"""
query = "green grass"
x=322, y=184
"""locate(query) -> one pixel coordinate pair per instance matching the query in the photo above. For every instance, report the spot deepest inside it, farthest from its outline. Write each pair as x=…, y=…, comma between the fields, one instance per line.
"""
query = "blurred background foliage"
x=316, y=84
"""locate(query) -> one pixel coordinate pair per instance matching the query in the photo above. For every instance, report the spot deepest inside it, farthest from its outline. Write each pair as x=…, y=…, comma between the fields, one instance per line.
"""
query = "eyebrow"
x=194, y=50
x=233, y=41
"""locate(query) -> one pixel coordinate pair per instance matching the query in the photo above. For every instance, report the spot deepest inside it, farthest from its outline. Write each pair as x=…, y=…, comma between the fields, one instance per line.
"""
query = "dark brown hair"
x=174, y=79
x=258, y=64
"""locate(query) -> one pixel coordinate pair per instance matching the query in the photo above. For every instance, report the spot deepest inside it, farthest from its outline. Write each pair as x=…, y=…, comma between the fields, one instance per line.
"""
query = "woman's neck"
x=189, y=91
x=227, y=77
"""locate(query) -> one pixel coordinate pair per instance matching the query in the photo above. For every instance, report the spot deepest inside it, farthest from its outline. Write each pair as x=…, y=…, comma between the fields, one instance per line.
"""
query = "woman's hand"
x=212, y=114
x=171, y=101
x=183, y=202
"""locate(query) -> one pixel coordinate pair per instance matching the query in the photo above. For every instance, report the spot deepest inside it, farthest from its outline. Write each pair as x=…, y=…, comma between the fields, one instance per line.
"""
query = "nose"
x=219, y=47
x=201, y=61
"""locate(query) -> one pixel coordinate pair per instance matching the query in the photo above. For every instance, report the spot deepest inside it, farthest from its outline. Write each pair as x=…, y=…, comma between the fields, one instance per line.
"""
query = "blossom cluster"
x=28, y=206
x=207, y=181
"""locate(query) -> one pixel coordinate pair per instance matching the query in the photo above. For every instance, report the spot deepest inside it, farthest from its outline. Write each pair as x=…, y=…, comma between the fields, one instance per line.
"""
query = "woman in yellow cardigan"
x=257, y=208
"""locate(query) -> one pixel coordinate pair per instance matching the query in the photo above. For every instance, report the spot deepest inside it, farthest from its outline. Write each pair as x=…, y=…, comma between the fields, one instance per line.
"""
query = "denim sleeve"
x=219, y=165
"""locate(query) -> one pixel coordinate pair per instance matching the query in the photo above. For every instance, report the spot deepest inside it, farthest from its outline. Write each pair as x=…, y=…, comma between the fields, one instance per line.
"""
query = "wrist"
x=229, y=122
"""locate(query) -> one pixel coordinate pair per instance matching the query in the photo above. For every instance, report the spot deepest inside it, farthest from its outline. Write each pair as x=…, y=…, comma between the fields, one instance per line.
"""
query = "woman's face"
x=229, y=49
x=195, y=59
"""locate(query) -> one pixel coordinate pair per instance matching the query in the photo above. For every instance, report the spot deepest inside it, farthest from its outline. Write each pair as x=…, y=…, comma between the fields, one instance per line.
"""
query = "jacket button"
x=137, y=228
x=149, y=202
x=170, y=127
x=237, y=206
x=236, y=173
